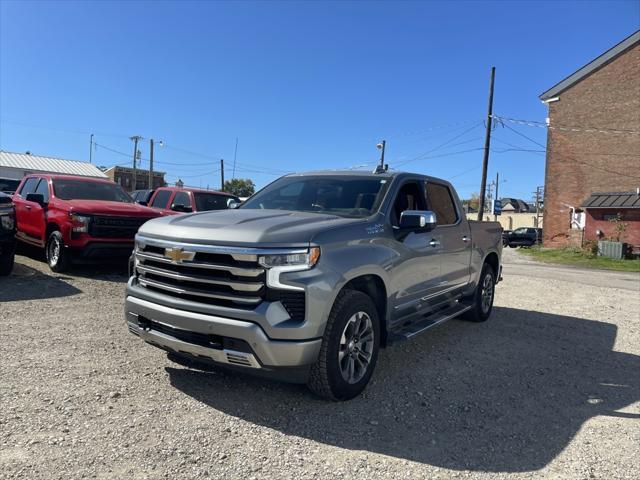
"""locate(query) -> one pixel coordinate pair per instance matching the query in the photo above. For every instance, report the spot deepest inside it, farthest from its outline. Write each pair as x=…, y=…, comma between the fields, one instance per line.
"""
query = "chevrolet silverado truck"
x=7, y=234
x=75, y=217
x=312, y=275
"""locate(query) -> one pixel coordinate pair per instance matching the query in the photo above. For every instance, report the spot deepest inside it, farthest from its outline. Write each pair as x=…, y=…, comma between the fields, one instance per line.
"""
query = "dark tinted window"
x=161, y=199
x=343, y=196
x=182, y=198
x=88, y=190
x=43, y=189
x=29, y=186
x=211, y=201
x=7, y=185
x=441, y=202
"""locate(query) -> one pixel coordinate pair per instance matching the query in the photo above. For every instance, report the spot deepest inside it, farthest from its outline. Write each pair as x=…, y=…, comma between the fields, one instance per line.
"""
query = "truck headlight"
x=79, y=223
x=307, y=259
x=7, y=221
x=288, y=262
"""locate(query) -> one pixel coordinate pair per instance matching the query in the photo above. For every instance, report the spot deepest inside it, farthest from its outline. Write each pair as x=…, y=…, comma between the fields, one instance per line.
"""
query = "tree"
x=241, y=187
x=472, y=203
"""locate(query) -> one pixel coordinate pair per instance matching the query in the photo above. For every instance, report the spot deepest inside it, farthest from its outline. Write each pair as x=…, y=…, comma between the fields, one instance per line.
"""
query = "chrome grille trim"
x=239, y=286
x=248, y=254
x=238, y=271
x=183, y=291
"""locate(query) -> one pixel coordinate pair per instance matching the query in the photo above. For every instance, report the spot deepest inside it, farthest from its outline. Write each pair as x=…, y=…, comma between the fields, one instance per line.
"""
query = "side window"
x=29, y=186
x=441, y=203
x=161, y=199
x=182, y=198
x=43, y=189
x=409, y=197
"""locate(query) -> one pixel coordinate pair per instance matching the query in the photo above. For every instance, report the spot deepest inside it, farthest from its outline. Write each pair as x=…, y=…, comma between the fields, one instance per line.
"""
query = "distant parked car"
x=8, y=185
x=7, y=234
x=523, y=237
x=142, y=196
x=77, y=217
x=174, y=200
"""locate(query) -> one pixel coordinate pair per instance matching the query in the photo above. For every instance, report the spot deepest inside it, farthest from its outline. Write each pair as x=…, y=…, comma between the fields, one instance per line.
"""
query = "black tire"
x=480, y=311
x=326, y=377
x=6, y=260
x=58, y=257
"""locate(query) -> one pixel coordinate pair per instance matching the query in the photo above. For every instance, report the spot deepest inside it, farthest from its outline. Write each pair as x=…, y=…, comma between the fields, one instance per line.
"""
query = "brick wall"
x=597, y=220
x=579, y=163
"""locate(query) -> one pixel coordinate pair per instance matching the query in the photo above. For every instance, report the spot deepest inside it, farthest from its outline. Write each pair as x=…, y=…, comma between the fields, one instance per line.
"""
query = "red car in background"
x=174, y=200
x=77, y=217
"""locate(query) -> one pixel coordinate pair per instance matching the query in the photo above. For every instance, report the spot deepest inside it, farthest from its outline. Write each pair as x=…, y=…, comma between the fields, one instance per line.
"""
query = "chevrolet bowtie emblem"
x=178, y=255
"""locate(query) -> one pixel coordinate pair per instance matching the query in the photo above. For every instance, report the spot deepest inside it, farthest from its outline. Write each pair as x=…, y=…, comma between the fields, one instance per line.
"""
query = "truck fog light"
x=7, y=222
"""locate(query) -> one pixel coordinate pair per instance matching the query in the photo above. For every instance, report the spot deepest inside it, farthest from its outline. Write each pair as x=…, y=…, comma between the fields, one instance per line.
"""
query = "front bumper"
x=263, y=353
x=99, y=249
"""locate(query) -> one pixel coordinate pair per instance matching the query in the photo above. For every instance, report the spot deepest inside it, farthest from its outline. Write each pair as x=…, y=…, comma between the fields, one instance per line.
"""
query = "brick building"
x=123, y=176
x=593, y=144
x=606, y=211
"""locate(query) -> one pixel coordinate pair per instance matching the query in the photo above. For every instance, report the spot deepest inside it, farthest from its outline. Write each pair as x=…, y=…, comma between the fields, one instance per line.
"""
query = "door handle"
x=465, y=239
x=28, y=207
x=434, y=242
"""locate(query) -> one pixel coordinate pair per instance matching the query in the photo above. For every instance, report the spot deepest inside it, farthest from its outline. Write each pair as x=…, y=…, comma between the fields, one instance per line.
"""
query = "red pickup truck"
x=72, y=216
x=174, y=200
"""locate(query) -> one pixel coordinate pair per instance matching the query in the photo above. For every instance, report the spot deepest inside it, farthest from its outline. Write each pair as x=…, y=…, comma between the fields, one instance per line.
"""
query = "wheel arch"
x=374, y=287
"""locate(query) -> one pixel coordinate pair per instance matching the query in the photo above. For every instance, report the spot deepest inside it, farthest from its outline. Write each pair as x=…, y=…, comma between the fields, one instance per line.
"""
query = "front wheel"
x=58, y=257
x=349, y=348
x=482, y=298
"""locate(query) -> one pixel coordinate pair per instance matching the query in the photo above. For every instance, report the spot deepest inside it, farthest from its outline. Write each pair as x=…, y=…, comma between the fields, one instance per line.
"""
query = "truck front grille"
x=218, y=278
x=107, y=226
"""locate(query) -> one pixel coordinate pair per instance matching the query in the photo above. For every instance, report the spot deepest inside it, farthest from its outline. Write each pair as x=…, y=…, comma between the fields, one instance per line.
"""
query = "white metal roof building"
x=16, y=165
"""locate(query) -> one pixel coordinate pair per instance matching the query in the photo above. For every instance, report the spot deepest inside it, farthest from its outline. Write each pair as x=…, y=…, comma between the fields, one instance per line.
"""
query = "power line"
x=523, y=135
x=584, y=129
x=422, y=155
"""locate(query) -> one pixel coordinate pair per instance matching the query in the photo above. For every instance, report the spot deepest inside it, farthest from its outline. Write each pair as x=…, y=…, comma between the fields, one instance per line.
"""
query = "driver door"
x=416, y=275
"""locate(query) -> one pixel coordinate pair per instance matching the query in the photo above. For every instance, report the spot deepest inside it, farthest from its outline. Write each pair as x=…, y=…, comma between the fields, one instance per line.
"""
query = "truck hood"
x=244, y=227
x=101, y=207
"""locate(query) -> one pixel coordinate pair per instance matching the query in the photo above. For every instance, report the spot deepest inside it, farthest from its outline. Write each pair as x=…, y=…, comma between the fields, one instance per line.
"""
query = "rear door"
x=452, y=236
x=160, y=200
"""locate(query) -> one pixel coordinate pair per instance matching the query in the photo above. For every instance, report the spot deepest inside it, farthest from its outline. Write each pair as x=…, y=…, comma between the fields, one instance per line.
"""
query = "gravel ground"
x=548, y=388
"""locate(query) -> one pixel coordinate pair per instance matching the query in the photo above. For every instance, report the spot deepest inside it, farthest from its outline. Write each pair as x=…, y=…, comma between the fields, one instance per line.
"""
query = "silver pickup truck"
x=312, y=275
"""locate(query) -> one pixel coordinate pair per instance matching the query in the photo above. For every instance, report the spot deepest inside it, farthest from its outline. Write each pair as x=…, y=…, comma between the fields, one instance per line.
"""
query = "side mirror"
x=36, y=197
x=232, y=203
x=418, y=220
x=179, y=207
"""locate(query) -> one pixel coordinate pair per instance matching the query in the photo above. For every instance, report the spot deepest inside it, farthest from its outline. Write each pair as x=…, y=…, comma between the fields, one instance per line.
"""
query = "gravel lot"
x=548, y=388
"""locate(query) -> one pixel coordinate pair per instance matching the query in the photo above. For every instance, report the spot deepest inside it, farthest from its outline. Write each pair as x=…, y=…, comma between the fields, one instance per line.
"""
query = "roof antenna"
x=382, y=168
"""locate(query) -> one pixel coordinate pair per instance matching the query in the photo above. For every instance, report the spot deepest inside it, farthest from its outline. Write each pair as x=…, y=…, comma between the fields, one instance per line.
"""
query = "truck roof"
x=53, y=176
x=195, y=190
x=367, y=173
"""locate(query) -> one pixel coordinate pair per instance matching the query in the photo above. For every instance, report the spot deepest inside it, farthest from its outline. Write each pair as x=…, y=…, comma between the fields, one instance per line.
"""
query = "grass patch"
x=577, y=257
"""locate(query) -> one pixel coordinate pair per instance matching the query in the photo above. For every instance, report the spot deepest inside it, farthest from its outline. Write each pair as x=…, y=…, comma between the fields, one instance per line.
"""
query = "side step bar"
x=428, y=322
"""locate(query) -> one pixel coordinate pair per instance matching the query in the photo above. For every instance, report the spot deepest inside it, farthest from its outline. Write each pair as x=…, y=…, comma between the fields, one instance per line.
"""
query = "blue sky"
x=303, y=85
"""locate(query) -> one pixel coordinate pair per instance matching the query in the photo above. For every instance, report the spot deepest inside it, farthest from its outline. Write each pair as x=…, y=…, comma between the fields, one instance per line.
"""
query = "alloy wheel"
x=356, y=347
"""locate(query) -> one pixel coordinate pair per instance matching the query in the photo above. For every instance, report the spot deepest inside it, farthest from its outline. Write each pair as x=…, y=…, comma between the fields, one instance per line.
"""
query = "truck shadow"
x=505, y=396
x=26, y=283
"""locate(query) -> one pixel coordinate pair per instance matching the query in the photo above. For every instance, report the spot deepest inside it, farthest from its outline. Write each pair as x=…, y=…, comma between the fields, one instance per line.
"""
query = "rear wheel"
x=58, y=257
x=349, y=350
x=482, y=298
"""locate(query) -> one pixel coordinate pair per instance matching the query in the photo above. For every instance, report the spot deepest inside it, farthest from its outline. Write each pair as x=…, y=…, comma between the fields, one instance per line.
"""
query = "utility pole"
x=495, y=216
x=487, y=145
x=90, y=148
x=151, y=164
x=538, y=197
x=136, y=139
x=235, y=153
x=222, y=175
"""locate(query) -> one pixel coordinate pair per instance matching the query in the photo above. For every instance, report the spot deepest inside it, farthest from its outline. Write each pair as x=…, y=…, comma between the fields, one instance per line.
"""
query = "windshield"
x=348, y=196
x=87, y=190
x=211, y=201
